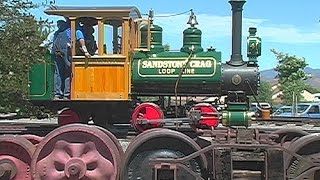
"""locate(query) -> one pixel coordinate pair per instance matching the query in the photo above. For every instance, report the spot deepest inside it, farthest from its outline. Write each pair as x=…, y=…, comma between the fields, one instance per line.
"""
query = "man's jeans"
x=62, y=76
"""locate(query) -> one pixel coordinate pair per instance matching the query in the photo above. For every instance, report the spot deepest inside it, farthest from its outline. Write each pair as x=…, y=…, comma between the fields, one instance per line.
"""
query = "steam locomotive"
x=108, y=87
x=118, y=84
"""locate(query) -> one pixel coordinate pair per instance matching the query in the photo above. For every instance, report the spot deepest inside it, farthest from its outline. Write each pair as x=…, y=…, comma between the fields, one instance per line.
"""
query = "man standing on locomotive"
x=51, y=44
x=63, y=58
x=48, y=42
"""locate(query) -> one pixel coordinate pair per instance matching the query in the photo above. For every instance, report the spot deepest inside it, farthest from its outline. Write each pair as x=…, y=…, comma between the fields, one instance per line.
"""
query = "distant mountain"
x=270, y=76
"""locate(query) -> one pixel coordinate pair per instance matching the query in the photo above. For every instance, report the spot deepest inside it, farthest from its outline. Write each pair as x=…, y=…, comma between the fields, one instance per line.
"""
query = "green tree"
x=166, y=47
x=264, y=93
x=291, y=76
x=20, y=36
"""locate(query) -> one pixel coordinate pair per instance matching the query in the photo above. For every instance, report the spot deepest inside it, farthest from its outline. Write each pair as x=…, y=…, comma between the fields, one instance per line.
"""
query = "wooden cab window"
x=113, y=36
x=89, y=28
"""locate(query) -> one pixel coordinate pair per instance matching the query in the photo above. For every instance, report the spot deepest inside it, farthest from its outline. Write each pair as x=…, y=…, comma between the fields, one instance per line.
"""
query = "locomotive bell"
x=192, y=20
x=192, y=36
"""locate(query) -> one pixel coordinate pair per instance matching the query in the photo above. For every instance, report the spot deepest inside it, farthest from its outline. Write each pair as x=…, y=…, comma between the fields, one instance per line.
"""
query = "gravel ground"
x=29, y=120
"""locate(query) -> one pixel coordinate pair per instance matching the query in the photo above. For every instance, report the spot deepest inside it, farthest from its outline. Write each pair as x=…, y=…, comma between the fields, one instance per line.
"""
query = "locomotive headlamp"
x=253, y=45
x=192, y=19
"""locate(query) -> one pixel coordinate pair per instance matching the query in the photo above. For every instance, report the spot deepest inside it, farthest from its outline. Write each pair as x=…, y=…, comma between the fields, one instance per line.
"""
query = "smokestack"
x=236, y=56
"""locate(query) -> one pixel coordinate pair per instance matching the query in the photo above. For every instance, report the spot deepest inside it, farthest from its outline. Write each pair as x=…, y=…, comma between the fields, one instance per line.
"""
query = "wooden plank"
x=248, y=156
x=102, y=81
x=274, y=165
x=246, y=175
x=101, y=37
x=99, y=96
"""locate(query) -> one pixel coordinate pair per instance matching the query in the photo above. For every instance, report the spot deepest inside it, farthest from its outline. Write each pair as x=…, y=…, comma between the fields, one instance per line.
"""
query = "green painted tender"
x=41, y=80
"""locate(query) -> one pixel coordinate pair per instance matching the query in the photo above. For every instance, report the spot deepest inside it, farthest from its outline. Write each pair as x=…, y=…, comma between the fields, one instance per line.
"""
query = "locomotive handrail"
x=96, y=60
x=100, y=63
x=107, y=56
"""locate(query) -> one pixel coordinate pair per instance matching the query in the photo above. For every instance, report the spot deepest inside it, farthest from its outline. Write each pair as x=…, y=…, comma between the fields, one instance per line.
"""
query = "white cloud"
x=289, y=35
x=219, y=27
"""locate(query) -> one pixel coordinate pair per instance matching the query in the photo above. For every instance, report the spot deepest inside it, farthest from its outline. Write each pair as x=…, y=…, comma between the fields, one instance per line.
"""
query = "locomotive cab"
x=101, y=84
x=114, y=33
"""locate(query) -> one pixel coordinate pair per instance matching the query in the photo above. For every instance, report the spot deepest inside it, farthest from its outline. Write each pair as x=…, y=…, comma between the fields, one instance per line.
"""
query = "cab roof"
x=110, y=12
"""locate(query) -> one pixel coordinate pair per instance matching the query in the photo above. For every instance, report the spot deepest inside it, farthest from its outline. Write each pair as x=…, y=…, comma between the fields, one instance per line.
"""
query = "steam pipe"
x=236, y=56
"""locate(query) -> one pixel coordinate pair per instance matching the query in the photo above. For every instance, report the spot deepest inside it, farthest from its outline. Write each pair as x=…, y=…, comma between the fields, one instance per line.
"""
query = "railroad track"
x=27, y=126
x=128, y=141
x=43, y=127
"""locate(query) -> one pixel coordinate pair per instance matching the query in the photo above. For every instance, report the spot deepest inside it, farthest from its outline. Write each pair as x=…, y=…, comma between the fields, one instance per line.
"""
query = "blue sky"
x=289, y=26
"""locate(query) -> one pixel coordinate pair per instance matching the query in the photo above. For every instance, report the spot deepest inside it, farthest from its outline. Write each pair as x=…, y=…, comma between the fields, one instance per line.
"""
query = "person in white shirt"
x=48, y=42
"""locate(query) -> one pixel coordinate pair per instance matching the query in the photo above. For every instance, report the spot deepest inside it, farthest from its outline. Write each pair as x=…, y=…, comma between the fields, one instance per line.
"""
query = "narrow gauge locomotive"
x=131, y=63
x=108, y=85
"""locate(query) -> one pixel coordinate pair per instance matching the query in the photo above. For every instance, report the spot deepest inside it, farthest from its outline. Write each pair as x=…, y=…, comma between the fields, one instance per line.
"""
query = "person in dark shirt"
x=80, y=40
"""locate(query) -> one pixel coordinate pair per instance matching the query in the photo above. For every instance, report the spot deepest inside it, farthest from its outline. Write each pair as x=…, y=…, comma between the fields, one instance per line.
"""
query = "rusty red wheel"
x=307, y=167
x=160, y=143
x=76, y=151
x=148, y=111
x=34, y=139
x=113, y=138
x=68, y=116
x=15, y=157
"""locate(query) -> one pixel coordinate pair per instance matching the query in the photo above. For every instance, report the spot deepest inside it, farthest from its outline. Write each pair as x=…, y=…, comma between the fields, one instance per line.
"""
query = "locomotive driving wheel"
x=15, y=157
x=147, y=111
x=114, y=139
x=209, y=116
x=76, y=151
x=68, y=116
x=34, y=139
x=306, y=167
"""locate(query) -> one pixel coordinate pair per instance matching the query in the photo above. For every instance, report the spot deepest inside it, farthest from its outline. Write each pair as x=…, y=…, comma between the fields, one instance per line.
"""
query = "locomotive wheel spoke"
x=306, y=165
x=74, y=152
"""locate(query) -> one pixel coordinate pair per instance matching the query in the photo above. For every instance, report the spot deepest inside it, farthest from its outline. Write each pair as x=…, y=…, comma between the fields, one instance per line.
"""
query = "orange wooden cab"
x=107, y=74
x=104, y=78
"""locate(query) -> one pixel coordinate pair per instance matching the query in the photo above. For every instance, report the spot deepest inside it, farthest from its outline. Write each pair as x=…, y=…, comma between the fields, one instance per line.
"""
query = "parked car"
x=311, y=110
x=282, y=110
